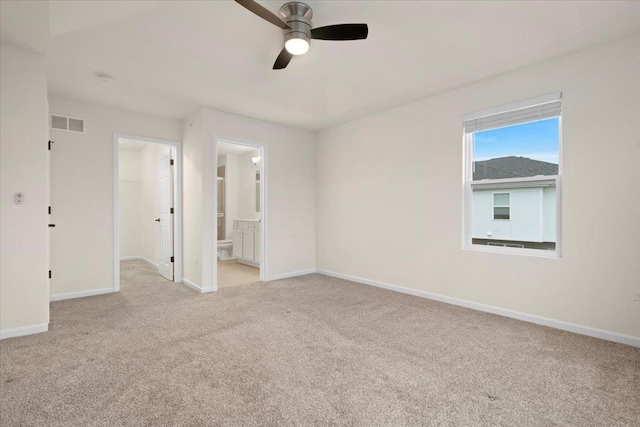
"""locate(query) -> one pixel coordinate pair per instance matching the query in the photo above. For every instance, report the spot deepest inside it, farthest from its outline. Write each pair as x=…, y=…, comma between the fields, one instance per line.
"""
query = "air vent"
x=67, y=123
x=76, y=125
x=58, y=122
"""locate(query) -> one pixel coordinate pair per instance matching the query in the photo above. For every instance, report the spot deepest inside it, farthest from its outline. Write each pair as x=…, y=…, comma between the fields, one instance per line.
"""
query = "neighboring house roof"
x=512, y=167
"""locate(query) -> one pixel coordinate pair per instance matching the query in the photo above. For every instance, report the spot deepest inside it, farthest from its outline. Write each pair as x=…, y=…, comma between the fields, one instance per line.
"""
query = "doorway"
x=240, y=214
x=147, y=201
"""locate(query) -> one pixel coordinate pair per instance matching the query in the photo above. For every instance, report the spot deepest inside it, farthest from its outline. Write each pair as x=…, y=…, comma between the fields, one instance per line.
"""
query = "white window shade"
x=509, y=115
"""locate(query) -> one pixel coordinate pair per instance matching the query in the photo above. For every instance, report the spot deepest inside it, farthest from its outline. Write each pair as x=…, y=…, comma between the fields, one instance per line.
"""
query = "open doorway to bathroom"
x=239, y=197
x=147, y=216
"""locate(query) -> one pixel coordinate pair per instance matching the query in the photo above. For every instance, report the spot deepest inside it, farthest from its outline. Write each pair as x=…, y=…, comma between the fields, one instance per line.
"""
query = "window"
x=512, y=178
x=501, y=206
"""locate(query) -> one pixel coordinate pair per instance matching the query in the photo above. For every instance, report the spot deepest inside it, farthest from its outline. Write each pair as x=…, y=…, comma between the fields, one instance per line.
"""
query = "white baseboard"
x=193, y=286
x=552, y=323
x=80, y=294
x=141, y=258
x=151, y=263
x=23, y=330
x=249, y=263
x=291, y=274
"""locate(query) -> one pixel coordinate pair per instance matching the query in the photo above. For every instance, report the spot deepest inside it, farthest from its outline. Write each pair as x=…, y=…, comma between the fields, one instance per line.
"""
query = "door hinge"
x=49, y=274
x=171, y=210
x=171, y=162
x=49, y=210
x=50, y=142
x=171, y=259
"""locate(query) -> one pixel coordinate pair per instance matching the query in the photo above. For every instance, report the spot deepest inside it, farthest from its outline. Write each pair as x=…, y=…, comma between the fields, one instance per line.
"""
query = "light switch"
x=19, y=198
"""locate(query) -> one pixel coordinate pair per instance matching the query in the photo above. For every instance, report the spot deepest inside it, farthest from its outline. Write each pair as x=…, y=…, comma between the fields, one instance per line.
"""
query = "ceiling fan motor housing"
x=298, y=16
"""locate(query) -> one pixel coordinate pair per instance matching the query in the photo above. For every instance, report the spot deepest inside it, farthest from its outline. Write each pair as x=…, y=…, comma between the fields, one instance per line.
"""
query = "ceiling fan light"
x=296, y=46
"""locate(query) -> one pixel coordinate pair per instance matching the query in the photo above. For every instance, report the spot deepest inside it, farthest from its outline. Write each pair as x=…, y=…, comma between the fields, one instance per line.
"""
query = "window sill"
x=538, y=253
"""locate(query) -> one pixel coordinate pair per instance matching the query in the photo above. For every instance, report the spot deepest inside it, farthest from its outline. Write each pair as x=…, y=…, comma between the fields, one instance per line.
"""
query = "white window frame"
x=469, y=185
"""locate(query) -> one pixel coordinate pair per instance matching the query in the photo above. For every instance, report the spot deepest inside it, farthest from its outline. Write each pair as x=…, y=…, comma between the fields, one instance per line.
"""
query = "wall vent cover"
x=67, y=123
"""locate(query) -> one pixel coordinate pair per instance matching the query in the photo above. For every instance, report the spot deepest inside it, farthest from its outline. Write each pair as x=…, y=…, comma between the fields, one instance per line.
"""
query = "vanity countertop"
x=248, y=220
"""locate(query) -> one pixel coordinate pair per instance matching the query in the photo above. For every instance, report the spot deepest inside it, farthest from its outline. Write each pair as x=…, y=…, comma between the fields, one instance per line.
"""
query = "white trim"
x=116, y=214
x=539, y=320
x=192, y=285
x=544, y=99
x=264, y=208
x=141, y=258
x=539, y=253
x=197, y=288
x=291, y=274
x=245, y=262
x=177, y=203
x=559, y=238
x=23, y=330
x=151, y=263
x=81, y=294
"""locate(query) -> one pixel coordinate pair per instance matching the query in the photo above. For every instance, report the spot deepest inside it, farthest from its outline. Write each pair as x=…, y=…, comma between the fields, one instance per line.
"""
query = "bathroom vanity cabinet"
x=246, y=241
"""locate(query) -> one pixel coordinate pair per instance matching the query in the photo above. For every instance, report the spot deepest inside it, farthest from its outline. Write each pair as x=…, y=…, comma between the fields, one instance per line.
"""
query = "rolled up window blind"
x=538, y=109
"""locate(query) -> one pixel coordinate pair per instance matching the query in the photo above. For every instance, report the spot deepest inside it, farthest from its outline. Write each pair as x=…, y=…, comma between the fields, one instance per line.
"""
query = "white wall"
x=230, y=162
x=240, y=188
x=247, y=186
x=24, y=167
x=372, y=177
x=149, y=203
x=82, y=190
x=192, y=164
x=129, y=195
x=138, y=202
x=291, y=192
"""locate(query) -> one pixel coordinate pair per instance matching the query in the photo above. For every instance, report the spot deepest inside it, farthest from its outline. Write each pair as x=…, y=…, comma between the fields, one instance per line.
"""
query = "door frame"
x=177, y=204
x=264, y=247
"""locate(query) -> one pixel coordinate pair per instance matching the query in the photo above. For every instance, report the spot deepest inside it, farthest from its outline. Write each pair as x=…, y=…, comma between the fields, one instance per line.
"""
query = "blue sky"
x=535, y=140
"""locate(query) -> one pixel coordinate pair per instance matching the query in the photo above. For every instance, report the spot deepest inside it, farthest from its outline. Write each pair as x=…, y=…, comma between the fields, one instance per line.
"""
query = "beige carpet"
x=232, y=273
x=305, y=351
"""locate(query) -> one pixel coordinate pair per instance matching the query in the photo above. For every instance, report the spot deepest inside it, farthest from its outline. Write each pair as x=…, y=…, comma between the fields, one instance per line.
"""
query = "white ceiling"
x=170, y=57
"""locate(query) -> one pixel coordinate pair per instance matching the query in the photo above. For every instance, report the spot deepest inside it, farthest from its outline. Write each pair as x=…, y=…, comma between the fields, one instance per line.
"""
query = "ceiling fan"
x=298, y=30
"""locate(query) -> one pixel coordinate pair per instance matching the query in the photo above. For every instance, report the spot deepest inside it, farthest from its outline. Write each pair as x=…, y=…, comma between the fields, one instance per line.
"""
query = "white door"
x=165, y=266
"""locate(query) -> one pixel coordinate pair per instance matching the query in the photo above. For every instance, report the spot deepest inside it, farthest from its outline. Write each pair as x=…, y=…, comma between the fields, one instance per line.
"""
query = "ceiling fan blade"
x=341, y=32
x=282, y=60
x=263, y=13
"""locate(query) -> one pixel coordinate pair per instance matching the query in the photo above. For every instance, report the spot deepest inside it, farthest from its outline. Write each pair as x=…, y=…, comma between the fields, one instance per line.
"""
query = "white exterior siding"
x=532, y=215
x=549, y=214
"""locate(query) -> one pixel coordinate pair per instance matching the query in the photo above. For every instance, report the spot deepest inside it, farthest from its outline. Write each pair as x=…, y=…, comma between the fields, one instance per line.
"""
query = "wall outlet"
x=195, y=261
x=347, y=254
x=636, y=296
